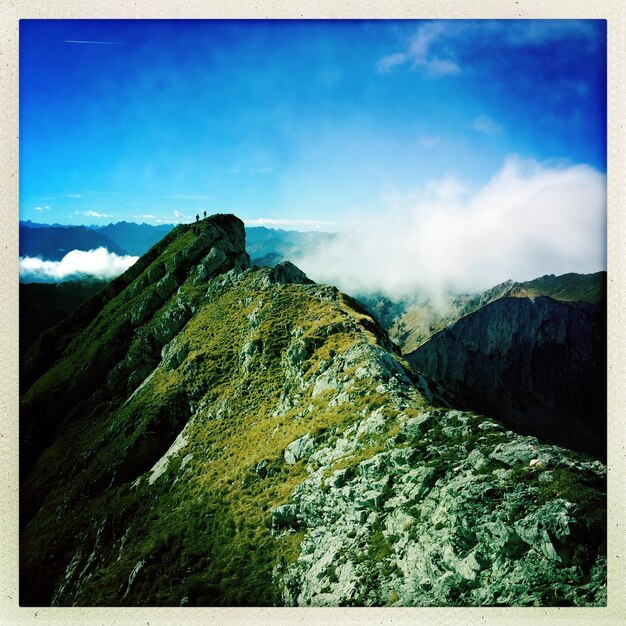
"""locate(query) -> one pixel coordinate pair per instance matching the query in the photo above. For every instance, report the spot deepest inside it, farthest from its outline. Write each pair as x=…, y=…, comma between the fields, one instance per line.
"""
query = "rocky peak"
x=216, y=245
x=287, y=272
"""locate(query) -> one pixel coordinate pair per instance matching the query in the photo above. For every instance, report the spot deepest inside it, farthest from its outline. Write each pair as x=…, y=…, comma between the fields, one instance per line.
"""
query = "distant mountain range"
x=266, y=246
x=52, y=243
x=136, y=239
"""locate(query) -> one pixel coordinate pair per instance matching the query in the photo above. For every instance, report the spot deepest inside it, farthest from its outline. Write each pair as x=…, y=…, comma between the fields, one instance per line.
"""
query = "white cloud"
x=179, y=217
x=444, y=190
x=91, y=213
x=530, y=219
x=42, y=208
x=145, y=217
x=294, y=224
x=484, y=124
x=439, y=67
x=387, y=63
x=434, y=46
x=75, y=264
x=418, y=52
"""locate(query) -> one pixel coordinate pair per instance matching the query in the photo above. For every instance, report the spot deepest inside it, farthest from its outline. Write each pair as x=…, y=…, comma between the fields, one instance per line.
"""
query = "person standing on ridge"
x=205, y=215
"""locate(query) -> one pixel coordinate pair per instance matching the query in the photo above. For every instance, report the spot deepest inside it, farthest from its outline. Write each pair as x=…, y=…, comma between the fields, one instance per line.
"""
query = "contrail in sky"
x=106, y=43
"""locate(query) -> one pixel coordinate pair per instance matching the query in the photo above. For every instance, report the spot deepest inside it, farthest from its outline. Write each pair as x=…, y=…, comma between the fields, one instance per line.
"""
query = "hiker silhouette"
x=205, y=215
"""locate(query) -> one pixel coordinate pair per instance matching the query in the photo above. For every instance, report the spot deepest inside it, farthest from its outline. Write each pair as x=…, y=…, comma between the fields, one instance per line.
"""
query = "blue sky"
x=296, y=124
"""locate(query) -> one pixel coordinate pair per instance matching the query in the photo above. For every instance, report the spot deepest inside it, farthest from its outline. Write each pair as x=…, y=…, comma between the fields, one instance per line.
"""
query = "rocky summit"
x=204, y=432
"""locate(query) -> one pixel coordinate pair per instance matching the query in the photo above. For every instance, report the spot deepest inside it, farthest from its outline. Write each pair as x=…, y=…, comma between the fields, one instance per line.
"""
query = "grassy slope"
x=215, y=523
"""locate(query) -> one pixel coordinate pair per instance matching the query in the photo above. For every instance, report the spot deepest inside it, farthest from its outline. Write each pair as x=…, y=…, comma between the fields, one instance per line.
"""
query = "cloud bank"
x=530, y=219
x=99, y=263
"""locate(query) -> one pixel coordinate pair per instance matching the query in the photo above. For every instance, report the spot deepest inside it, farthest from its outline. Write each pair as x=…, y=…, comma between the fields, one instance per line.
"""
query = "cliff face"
x=208, y=433
x=537, y=364
x=410, y=326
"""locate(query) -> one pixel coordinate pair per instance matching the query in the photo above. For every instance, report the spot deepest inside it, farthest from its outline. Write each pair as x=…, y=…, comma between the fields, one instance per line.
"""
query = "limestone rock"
x=477, y=460
x=213, y=261
x=166, y=286
x=261, y=468
x=287, y=273
x=301, y=448
x=548, y=530
x=285, y=516
x=516, y=452
x=173, y=354
x=461, y=536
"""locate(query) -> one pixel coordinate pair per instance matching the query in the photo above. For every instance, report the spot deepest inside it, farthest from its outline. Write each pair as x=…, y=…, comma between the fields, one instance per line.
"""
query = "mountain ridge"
x=54, y=242
x=218, y=434
x=274, y=243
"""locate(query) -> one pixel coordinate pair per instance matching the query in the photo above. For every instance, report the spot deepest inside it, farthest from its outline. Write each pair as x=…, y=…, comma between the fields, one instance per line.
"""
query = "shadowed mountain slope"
x=536, y=363
x=411, y=325
x=43, y=305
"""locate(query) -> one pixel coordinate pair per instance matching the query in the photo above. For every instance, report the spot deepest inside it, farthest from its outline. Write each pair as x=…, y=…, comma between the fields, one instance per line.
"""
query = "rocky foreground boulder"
x=441, y=517
x=210, y=433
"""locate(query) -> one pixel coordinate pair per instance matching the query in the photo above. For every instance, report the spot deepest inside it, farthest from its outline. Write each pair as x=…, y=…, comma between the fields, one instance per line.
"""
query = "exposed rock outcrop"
x=396, y=530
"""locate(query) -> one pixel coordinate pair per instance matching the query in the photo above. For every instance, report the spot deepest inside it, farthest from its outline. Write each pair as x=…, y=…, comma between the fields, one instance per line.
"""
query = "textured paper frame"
x=11, y=11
